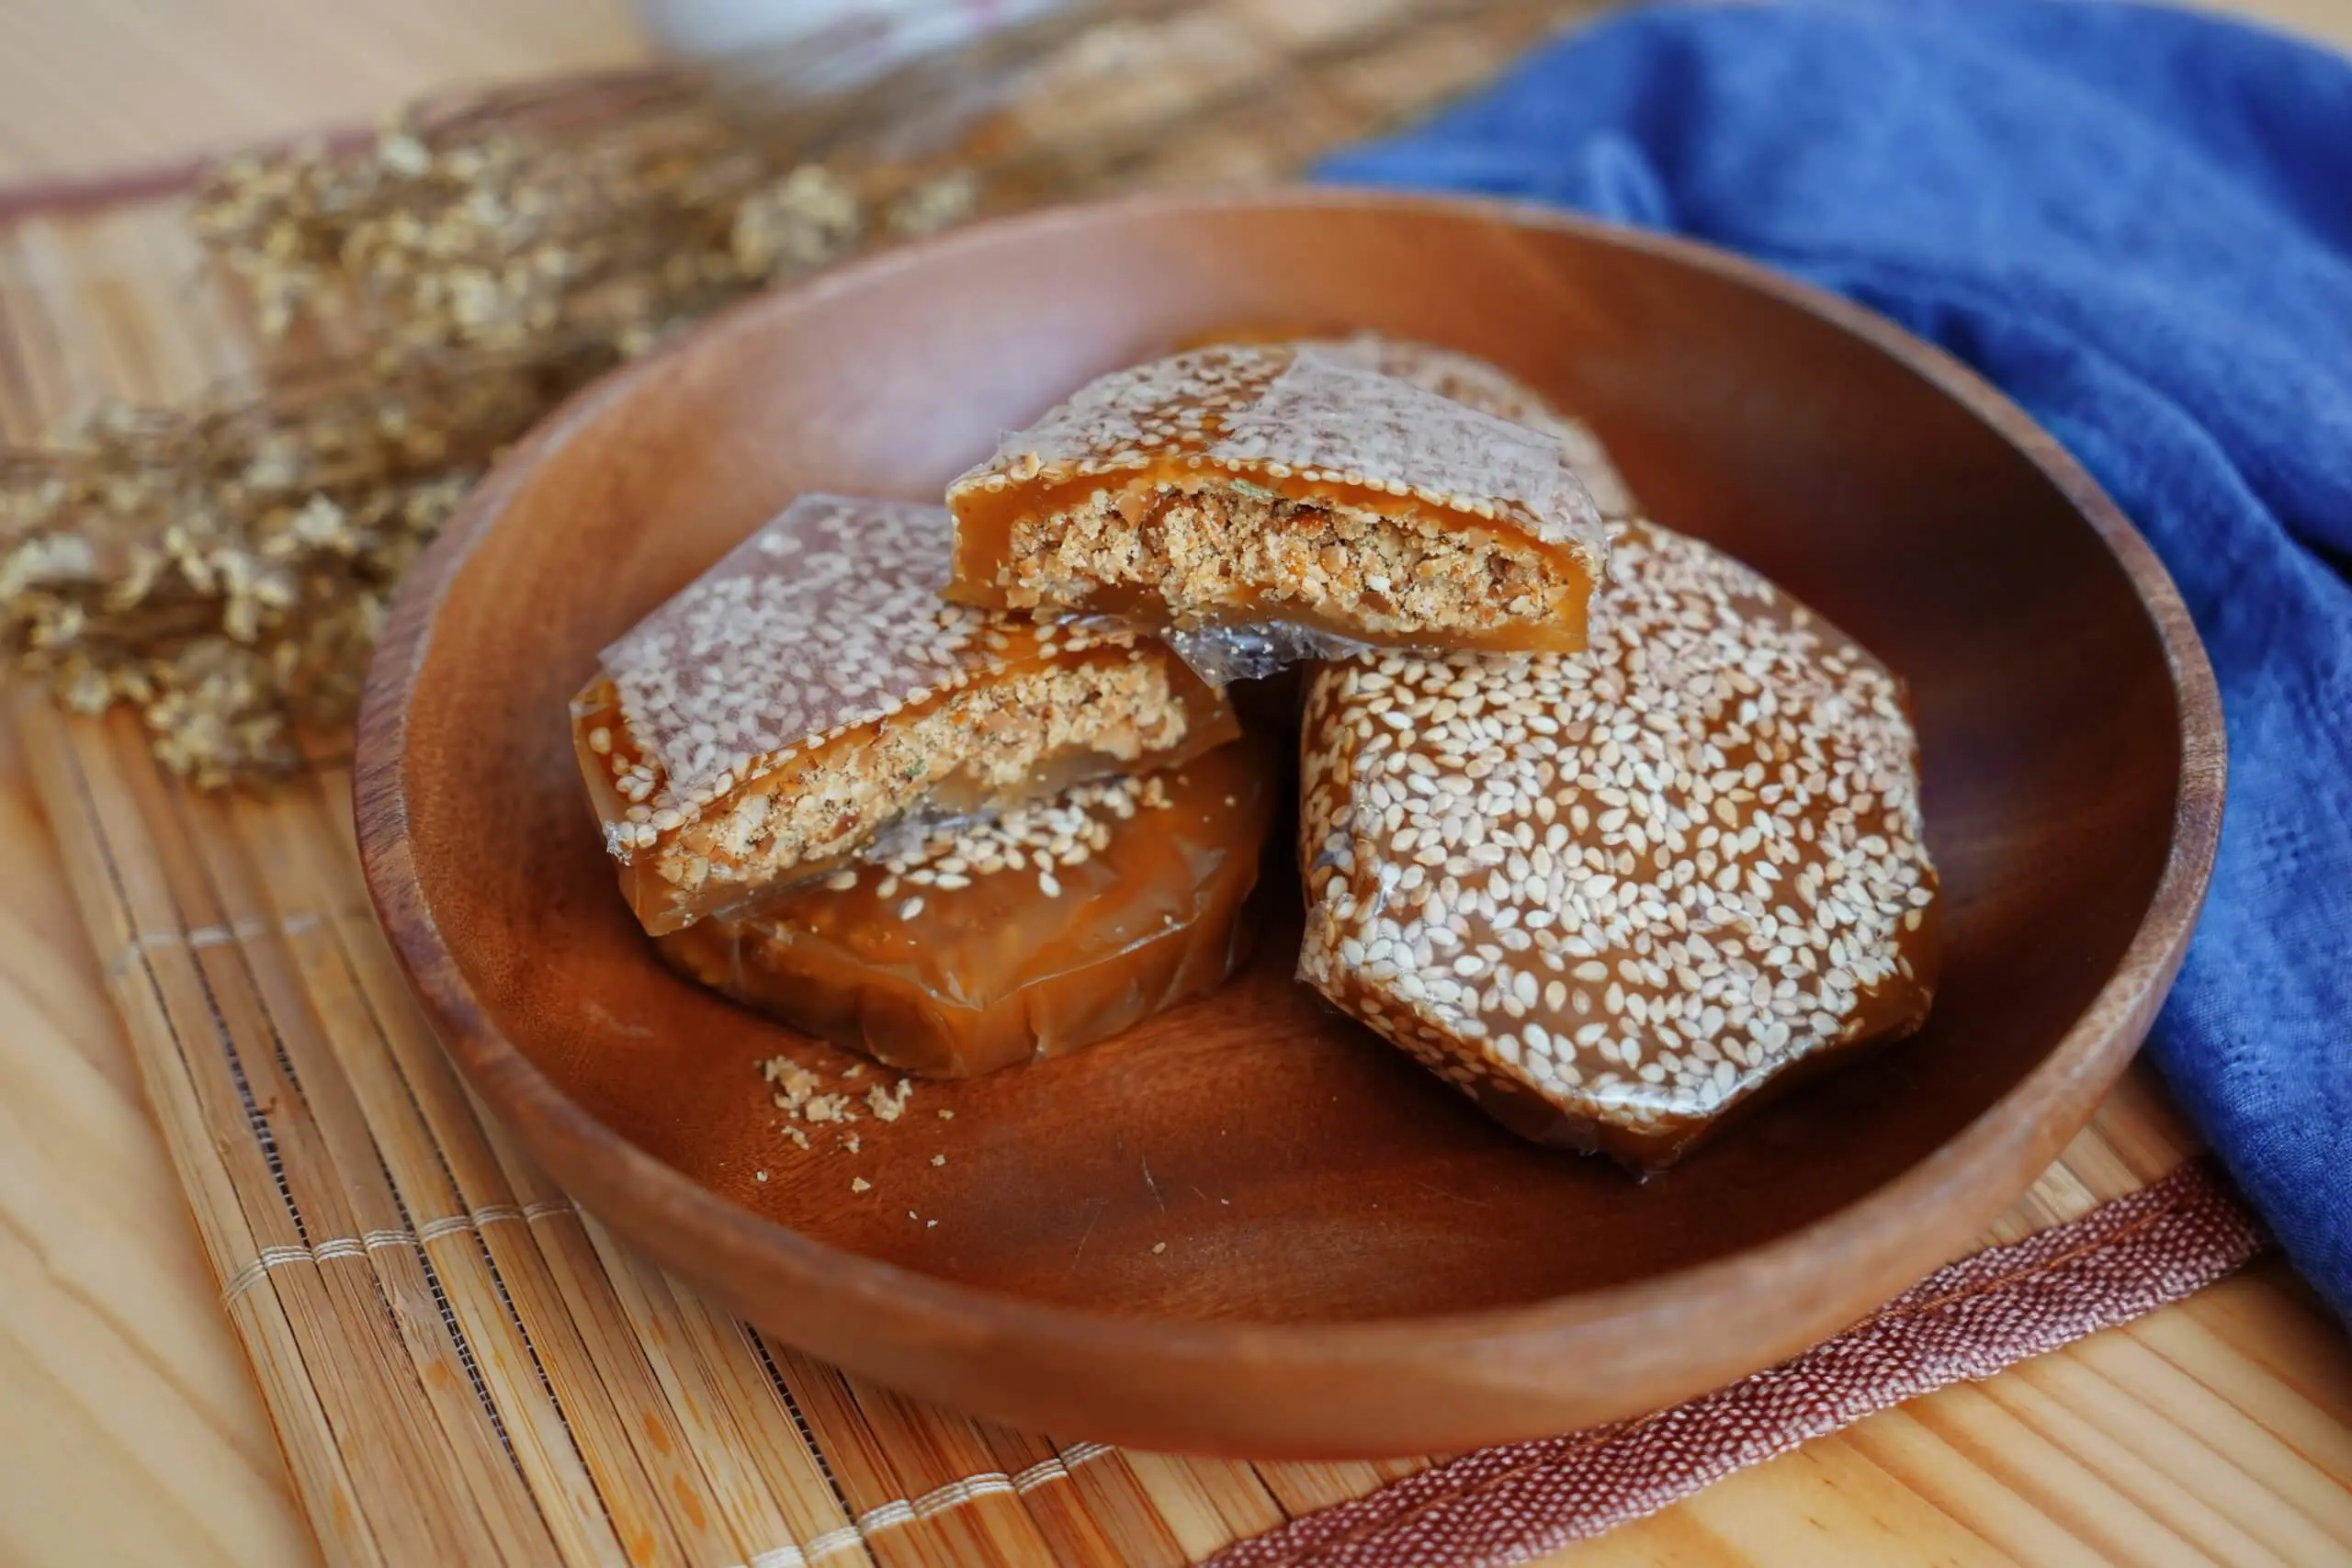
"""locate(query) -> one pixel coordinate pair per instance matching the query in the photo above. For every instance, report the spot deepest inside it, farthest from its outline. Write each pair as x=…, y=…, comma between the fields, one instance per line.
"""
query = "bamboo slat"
x=461, y=1367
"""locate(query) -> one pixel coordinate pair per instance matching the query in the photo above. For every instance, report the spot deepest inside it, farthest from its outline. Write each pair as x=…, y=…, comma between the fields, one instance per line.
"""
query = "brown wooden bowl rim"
x=1900, y=1231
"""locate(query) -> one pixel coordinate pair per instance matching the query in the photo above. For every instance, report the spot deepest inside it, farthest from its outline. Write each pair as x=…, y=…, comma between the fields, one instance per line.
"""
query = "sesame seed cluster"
x=1305, y=412
x=1310, y=431
x=1611, y=895
x=1471, y=380
x=826, y=619
x=1043, y=837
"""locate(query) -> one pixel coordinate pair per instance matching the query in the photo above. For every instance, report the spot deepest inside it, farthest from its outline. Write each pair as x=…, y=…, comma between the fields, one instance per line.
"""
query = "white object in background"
x=716, y=27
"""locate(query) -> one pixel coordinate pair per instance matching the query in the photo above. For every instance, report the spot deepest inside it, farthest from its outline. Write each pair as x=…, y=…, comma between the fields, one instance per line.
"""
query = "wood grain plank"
x=2278, y=1322
x=2214, y=1502
x=88, y=1403
x=95, y=85
x=2264, y=1482
x=79, y=1451
x=1914, y=1454
x=2047, y=1473
x=2298, y=1416
x=84, y=1190
x=1852, y=1512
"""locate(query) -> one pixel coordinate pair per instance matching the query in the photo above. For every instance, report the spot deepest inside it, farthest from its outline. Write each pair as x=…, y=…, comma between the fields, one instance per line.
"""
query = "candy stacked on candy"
x=1596, y=823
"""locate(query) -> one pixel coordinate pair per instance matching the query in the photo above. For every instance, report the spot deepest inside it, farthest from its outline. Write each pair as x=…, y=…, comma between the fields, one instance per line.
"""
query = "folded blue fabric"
x=2138, y=222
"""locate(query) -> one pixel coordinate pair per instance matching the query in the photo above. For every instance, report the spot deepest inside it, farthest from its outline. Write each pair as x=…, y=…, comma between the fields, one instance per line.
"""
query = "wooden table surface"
x=2217, y=1429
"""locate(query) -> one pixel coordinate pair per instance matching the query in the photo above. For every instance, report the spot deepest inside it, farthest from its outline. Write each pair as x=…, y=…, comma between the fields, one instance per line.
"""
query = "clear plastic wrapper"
x=1222, y=655
x=1612, y=896
x=1044, y=929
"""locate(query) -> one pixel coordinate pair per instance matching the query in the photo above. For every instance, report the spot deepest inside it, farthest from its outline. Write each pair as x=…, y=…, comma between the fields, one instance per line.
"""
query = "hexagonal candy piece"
x=1611, y=897
x=811, y=695
x=1291, y=492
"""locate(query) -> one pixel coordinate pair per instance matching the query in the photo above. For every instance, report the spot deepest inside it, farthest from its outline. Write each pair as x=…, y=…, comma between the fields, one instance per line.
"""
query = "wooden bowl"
x=1356, y=1261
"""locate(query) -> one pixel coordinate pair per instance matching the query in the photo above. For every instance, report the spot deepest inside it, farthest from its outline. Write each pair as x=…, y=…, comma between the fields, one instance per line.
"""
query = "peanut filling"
x=978, y=743
x=1214, y=554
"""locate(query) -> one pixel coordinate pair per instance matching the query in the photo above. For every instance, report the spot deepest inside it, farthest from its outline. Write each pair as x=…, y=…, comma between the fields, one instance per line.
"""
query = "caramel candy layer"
x=1611, y=896
x=1053, y=926
x=1263, y=486
x=811, y=694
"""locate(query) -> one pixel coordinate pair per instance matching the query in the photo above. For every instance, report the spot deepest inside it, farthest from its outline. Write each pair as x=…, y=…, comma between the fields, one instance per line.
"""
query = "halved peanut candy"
x=810, y=696
x=1049, y=927
x=1612, y=895
x=1281, y=488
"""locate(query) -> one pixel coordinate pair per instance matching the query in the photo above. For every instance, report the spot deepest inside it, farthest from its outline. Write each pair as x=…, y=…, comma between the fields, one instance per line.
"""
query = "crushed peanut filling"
x=799, y=1092
x=980, y=739
x=1207, y=549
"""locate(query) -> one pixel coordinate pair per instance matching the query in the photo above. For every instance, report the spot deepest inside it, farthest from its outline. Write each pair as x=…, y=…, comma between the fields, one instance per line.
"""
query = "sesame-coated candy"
x=1609, y=896
x=811, y=692
x=1273, y=486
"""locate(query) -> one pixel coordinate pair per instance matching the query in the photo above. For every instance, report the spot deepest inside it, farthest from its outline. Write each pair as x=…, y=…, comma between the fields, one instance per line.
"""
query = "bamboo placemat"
x=462, y=1367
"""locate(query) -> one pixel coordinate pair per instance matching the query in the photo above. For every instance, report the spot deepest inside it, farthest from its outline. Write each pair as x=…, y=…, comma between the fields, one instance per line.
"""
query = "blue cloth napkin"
x=2138, y=222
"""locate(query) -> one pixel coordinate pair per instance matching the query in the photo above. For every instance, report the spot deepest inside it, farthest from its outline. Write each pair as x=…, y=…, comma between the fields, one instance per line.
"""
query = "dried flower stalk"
x=227, y=568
